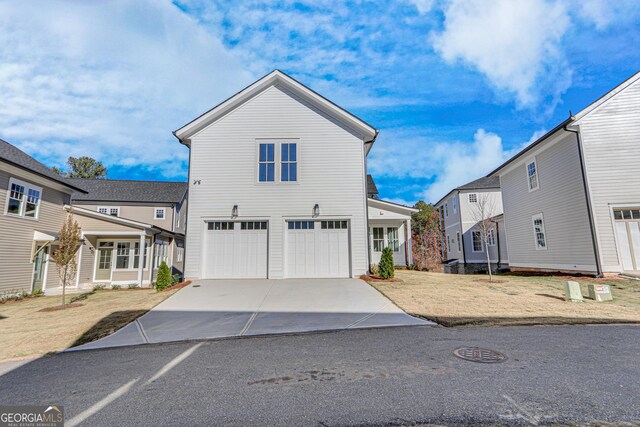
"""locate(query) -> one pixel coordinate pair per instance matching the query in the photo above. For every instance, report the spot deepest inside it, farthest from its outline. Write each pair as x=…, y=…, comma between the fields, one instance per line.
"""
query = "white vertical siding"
x=611, y=144
x=224, y=160
x=561, y=200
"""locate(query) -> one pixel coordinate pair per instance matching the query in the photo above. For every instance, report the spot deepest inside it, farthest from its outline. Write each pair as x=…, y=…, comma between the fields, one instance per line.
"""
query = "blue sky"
x=455, y=87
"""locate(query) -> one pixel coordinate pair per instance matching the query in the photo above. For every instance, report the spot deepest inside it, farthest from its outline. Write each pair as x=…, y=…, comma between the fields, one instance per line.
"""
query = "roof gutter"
x=585, y=186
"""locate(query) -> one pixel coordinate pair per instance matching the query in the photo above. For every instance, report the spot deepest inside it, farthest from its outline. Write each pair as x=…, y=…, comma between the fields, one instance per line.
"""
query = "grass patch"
x=471, y=300
x=38, y=326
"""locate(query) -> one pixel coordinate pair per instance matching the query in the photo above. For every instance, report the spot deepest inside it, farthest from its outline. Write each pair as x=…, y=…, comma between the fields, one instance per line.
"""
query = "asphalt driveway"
x=231, y=308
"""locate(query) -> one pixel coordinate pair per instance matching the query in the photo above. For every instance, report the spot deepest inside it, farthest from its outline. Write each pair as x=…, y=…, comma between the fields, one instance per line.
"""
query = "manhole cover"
x=196, y=286
x=481, y=355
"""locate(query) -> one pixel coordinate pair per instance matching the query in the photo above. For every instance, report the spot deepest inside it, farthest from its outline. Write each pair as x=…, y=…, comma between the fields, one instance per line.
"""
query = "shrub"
x=99, y=287
x=82, y=296
x=163, y=281
x=115, y=287
x=386, y=264
x=133, y=286
x=175, y=279
x=37, y=293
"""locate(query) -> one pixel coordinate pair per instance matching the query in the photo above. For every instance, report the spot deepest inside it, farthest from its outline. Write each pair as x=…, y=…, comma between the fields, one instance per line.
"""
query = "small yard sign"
x=600, y=292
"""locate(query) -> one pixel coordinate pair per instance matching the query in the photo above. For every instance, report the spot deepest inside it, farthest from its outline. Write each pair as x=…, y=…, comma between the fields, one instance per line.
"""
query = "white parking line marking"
x=97, y=407
x=169, y=366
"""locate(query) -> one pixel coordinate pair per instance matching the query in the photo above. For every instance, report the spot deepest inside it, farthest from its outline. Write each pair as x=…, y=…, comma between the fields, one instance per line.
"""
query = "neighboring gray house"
x=118, y=218
x=278, y=186
x=572, y=198
x=32, y=201
x=463, y=248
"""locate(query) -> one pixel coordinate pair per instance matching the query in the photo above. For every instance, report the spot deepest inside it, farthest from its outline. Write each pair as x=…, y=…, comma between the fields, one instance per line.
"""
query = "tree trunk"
x=64, y=281
x=486, y=251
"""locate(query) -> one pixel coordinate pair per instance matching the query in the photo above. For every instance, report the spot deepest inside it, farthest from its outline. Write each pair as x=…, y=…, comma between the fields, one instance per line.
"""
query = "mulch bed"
x=178, y=286
x=60, y=307
x=368, y=278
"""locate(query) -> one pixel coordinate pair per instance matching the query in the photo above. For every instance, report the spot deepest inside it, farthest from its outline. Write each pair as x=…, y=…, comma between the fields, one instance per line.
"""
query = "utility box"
x=600, y=292
x=572, y=292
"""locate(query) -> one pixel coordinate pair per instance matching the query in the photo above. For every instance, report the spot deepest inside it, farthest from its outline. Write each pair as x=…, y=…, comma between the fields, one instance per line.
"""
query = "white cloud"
x=108, y=79
x=515, y=44
x=448, y=164
x=605, y=12
x=423, y=6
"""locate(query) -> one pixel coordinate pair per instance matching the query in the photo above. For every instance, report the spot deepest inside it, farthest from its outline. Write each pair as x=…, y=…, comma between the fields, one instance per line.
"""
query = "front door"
x=103, y=267
x=39, y=267
x=627, y=225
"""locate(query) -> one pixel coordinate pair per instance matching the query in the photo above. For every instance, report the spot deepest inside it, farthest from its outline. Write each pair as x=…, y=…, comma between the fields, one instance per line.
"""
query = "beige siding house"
x=463, y=249
x=572, y=198
x=129, y=229
x=32, y=201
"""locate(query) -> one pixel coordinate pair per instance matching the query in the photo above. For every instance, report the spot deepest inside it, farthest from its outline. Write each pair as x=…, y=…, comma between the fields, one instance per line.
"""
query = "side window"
x=473, y=198
x=458, y=241
x=378, y=239
x=532, y=175
x=477, y=241
x=159, y=213
x=491, y=237
x=454, y=201
x=289, y=162
x=392, y=238
x=446, y=209
x=266, y=163
x=539, y=233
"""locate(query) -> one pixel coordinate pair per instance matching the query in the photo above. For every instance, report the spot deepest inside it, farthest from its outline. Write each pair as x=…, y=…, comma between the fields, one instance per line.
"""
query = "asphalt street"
x=394, y=376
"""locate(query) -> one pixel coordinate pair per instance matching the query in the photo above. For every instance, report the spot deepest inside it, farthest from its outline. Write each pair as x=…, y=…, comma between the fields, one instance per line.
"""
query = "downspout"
x=366, y=203
x=588, y=200
x=498, y=243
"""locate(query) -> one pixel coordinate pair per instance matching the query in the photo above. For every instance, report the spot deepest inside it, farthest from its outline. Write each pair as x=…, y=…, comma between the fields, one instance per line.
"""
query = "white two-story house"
x=278, y=186
x=572, y=198
x=463, y=248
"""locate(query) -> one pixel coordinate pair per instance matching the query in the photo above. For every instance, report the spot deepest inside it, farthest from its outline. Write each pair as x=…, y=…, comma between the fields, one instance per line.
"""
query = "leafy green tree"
x=64, y=255
x=163, y=281
x=83, y=167
x=425, y=226
x=386, y=267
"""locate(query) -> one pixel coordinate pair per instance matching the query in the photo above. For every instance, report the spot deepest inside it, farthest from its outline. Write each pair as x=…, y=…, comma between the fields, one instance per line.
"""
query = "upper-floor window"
x=473, y=198
x=454, y=202
x=289, y=162
x=109, y=210
x=159, y=213
x=446, y=209
x=24, y=199
x=539, y=234
x=266, y=163
x=458, y=241
x=476, y=237
x=532, y=175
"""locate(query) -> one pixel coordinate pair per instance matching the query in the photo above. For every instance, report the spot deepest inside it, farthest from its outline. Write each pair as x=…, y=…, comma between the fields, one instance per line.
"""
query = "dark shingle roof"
x=19, y=158
x=480, y=183
x=372, y=190
x=114, y=190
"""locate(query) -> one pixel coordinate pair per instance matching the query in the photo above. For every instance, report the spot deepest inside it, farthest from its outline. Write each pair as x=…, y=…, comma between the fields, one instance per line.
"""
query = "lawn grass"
x=470, y=300
x=27, y=330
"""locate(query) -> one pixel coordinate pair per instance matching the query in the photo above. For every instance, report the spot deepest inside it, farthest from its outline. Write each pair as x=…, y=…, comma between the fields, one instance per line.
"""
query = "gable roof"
x=571, y=121
x=484, y=183
x=16, y=157
x=372, y=190
x=115, y=190
x=275, y=77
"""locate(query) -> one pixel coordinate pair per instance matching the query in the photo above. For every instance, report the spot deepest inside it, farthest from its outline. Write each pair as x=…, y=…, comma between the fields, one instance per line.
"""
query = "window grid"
x=301, y=225
x=221, y=225
x=458, y=241
x=253, y=225
x=24, y=199
x=330, y=225
x=532, y=176
x=477, y=241
x=122, y=255
x=289, y=163
x=491, y=238
x=378, y=239
x=266, y=163
x=473, y=198
x=392, y=238
x=626, y=214
x=159, y=213
x=539, y=232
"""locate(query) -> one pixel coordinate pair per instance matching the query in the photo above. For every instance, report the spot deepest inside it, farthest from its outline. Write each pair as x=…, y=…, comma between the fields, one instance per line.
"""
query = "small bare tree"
x=65, y=255
x=482, y=212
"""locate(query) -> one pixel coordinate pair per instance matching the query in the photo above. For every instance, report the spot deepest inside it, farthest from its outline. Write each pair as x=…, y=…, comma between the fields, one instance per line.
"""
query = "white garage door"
x=317, y=249
x=235, y=250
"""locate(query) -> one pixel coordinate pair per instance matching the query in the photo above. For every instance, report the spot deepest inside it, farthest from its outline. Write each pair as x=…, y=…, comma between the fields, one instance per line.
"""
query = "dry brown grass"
x=27, y=330
x=470, y=300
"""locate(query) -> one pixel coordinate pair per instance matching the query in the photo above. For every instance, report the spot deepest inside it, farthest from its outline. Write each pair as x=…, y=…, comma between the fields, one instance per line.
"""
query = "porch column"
x=141, y=254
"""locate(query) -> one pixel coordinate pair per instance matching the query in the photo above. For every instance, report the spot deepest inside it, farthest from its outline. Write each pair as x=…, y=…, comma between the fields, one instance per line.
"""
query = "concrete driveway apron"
x=231, y=308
